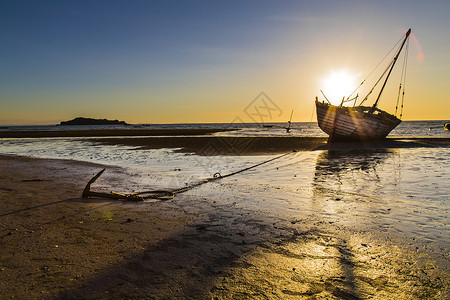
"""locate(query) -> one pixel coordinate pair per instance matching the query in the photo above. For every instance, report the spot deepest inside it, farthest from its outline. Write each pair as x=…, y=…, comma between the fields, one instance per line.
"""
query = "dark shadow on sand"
x=213, y=258
x=216, y=256
x=207, y=260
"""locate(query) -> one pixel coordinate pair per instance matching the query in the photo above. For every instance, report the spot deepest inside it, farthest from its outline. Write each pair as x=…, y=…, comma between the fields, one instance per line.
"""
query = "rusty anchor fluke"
x=134, y=197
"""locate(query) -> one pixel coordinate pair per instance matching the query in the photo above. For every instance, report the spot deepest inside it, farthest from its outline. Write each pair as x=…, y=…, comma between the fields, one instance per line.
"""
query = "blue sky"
x=204, y=61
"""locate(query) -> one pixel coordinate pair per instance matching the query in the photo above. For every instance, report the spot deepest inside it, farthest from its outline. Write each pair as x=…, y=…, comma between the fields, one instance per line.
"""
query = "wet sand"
x=203, y=141
x=54, y=244
x=221, y=145
x=108, y=132
x=259, y=145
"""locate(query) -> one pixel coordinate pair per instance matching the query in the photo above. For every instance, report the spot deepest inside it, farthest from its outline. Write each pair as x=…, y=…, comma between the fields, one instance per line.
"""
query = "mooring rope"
x=165, y=194
x=171, y=194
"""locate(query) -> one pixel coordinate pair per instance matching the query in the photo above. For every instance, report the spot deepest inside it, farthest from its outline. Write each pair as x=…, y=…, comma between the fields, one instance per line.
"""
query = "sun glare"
x=338, y=84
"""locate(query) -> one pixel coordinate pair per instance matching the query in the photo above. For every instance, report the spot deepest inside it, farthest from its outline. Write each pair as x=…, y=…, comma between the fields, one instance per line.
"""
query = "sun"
x=338, y=84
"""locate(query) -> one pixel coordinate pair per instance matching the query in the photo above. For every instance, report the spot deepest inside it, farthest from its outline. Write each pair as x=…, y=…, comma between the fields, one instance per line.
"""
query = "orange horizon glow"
x=148, y=63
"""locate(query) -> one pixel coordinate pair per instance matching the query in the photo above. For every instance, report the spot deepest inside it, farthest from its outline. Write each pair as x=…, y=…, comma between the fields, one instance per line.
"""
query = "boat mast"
x=393, y=63
x=288, y=129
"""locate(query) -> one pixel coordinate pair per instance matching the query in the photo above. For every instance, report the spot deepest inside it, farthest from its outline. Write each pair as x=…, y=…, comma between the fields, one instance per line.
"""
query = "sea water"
x=405, y=191
x=310, y=129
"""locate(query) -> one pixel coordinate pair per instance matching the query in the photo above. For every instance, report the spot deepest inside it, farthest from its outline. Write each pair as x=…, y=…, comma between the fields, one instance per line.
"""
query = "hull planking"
x=354, y=123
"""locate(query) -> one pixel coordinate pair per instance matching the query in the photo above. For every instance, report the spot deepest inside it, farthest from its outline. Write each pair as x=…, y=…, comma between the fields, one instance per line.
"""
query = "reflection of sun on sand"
x=55, y=244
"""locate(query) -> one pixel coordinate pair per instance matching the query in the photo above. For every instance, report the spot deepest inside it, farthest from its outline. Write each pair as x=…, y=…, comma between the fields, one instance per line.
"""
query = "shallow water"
x=308, y=129
x=404, y=191
x=401, y=191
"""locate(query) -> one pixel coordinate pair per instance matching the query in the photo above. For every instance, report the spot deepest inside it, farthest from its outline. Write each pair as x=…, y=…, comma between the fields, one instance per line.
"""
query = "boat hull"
x=354, y=123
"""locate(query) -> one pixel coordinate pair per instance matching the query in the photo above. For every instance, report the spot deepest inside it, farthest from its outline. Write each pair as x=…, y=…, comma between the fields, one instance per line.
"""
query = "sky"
x=212, y=61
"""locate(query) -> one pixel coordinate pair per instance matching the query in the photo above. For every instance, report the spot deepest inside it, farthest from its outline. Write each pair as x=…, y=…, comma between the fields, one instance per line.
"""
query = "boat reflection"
x=345, y=180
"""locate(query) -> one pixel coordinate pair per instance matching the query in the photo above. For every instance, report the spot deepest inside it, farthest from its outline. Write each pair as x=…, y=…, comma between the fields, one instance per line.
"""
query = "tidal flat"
x=335, y=223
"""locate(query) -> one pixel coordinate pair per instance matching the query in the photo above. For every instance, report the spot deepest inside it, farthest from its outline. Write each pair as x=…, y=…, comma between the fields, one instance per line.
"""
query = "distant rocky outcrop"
x=89, y=121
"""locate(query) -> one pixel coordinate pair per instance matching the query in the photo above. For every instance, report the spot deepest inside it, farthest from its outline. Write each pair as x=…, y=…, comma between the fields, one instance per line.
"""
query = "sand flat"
x=55, y=244
x=108, y=132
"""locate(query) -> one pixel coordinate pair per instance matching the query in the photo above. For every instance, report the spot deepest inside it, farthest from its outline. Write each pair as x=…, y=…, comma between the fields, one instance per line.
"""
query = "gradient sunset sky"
x=205, y=61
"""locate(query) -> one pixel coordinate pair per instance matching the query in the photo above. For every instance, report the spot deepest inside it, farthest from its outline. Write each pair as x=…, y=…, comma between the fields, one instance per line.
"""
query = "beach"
x=224, y=150
x=319, y=223
x=64, y=132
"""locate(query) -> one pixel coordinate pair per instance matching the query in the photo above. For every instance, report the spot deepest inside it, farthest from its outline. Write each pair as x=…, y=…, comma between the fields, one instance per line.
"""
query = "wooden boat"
x=358, y=122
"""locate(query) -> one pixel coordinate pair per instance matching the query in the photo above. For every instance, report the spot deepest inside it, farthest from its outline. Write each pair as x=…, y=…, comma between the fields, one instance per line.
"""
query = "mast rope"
x=374, y=106
x=378, y=81
x=402, y=82
x=373, y=70
x=405, y=64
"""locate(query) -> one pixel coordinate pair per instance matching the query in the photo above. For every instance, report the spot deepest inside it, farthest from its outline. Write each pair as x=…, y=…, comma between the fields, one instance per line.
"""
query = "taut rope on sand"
x=162, y=194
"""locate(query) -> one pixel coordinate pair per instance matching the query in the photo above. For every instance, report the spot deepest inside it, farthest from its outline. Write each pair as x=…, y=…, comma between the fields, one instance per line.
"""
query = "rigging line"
x=401, y=82
x=374, y=106
x=373, y=70
x=398, y=98
x=404, y=78
x=385, y=57
x=355, y=90
x=325, y=96
x=378, y=81
x=398, y=94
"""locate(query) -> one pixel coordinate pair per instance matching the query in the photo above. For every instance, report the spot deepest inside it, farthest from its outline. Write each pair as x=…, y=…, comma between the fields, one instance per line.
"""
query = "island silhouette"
x=90, y=121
